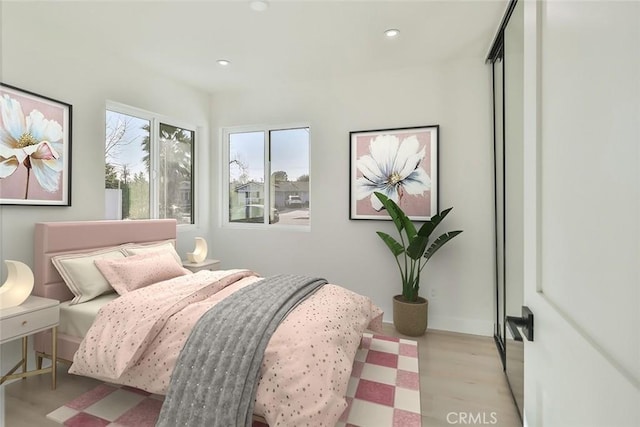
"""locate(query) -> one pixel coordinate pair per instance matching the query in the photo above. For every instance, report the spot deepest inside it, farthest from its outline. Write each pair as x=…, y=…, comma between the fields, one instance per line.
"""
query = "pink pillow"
x=128, y=274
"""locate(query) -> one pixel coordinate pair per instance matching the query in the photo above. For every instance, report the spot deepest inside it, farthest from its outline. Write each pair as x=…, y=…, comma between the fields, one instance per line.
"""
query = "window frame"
x=225, y=132
x=155, y=121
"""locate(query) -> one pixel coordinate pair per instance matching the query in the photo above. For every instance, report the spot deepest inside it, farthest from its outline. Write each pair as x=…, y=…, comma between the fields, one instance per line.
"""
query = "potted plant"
x=412, y=254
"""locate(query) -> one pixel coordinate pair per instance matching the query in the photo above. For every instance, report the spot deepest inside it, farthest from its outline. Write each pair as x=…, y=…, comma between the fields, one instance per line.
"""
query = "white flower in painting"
x=392, y=168
x=9, y=160
x=33, y=141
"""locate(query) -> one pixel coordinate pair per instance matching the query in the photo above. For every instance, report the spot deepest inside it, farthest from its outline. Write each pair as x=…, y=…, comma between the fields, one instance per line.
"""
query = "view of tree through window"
x=175, y=170
x=127, y=166
x=246, y=177
x=285, y=173
x=131, y=150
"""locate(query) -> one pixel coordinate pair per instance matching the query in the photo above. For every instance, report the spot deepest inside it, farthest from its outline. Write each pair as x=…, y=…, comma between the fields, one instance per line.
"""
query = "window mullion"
x=154, y=180
x=267, y=176
x=225, y=178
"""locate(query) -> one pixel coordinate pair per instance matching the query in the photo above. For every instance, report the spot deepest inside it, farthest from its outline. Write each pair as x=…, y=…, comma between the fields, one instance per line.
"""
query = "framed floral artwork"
x=402, y=164
x=35, y=149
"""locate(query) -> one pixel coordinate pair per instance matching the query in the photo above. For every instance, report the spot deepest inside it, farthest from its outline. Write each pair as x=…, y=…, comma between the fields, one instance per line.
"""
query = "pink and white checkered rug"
x=384, y=390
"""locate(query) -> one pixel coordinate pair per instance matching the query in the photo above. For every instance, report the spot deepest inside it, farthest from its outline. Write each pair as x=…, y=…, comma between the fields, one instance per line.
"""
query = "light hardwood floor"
x=459, y=374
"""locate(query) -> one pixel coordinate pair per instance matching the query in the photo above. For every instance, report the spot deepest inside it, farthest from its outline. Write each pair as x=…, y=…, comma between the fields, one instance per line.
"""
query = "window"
x=267, y=167
x=148, y=166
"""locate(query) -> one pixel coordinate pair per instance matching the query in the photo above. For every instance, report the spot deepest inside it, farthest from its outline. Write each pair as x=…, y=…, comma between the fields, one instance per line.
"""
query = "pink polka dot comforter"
x=136, y=339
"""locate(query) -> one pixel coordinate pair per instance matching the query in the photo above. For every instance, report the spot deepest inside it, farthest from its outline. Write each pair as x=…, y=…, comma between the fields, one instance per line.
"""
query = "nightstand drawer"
x=28, y=323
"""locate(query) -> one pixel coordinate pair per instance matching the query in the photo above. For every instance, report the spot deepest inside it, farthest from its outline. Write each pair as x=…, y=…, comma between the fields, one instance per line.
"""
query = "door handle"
x=526, y=321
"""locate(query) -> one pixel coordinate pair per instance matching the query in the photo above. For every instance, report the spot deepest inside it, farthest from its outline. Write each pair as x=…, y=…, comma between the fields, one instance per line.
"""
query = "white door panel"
x=590, y=77
x=569, y=383
x=582, y=212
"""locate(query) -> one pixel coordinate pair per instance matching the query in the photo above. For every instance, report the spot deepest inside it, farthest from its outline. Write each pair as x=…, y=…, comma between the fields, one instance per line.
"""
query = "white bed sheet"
x=75, y=320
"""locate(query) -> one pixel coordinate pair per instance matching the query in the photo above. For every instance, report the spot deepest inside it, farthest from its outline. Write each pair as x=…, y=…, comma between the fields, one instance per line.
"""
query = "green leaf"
x=400, y=219
x=440, y=242
x=393, y=210
x=395, y=247
x=409, y=228
x=417, y=247
x=428, y=227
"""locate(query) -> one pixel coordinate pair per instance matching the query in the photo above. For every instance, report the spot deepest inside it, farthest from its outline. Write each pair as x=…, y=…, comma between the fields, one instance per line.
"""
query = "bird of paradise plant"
x=413, y=246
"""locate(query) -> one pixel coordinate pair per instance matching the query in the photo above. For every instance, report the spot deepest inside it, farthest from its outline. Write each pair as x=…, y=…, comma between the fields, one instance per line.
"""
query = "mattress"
x=75, y=320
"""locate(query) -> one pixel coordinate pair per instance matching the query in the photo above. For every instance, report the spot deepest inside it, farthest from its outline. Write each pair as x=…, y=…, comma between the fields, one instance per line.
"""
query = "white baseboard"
x=454, y=324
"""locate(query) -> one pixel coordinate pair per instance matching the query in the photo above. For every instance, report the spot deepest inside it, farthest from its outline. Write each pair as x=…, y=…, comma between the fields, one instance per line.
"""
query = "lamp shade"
x=199, y=254
x=18, y=286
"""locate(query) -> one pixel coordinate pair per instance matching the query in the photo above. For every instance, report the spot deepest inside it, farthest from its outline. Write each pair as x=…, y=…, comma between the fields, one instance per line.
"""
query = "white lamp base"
x=18, y=286
x=199, y=254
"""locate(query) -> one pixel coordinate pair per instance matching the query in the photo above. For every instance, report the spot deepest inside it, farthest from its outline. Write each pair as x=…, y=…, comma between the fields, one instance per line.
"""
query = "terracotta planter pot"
x=410, y=318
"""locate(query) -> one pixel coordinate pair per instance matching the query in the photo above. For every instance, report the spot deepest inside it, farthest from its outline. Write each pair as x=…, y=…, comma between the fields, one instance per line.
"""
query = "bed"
x=58, y=240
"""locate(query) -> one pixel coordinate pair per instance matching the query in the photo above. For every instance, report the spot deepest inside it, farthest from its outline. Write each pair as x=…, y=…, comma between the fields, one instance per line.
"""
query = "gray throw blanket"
x=216, y=376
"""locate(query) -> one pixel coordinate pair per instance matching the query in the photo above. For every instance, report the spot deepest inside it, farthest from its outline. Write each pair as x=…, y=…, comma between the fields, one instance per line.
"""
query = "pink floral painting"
x=400, y=163
x=35, y=148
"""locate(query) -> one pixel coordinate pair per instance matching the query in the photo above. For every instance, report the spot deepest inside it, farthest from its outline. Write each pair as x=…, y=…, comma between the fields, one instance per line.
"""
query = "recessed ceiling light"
x=259, y=5
x=391, y=33
x=223, y=62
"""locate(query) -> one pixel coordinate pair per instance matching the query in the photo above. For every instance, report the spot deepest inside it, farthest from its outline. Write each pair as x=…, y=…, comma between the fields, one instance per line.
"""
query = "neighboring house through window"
x=148, y=166
x=267, y=166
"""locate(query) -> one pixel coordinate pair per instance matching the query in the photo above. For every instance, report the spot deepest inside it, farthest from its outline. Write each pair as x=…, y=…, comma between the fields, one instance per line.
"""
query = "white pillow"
x=167, y=246
x=82, y=276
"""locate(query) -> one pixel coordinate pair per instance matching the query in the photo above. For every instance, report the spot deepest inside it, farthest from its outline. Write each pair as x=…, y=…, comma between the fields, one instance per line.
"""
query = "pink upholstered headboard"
x=55, y=238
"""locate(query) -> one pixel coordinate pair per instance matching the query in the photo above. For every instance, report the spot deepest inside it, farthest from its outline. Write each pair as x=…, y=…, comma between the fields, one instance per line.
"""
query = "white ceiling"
x=290, y=41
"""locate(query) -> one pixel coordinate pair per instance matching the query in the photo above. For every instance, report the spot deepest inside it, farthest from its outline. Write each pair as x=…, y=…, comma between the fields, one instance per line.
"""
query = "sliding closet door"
x=513, y=200
x=498, y=120
x=506, y=57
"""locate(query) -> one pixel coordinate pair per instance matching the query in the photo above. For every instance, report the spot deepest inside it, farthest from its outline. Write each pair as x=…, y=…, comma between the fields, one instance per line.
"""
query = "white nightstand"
x=36, y=314
x=207, y=264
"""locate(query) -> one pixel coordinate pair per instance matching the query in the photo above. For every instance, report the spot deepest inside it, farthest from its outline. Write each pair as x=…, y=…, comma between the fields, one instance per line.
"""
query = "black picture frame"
x=401, y=162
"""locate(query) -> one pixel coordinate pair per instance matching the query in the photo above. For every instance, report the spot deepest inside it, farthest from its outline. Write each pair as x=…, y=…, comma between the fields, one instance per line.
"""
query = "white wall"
x=85, y=78
x=455, y=95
